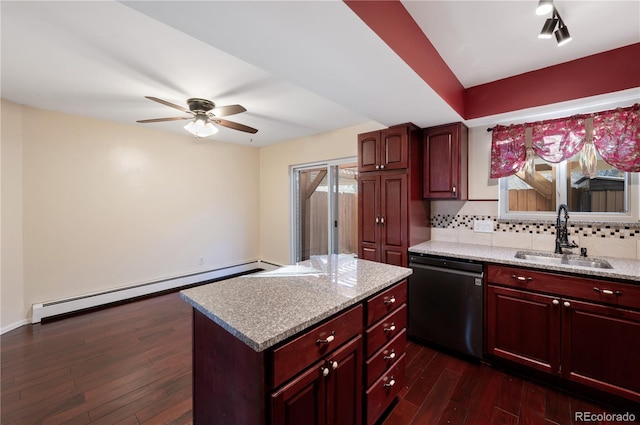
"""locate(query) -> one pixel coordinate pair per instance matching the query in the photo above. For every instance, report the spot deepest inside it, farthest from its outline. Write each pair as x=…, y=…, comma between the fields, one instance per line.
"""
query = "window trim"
x=632, y=189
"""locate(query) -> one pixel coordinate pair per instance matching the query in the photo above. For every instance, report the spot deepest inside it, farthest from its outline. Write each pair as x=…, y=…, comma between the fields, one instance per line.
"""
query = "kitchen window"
x=324, y=208
x=611, y=196
x=588, y=162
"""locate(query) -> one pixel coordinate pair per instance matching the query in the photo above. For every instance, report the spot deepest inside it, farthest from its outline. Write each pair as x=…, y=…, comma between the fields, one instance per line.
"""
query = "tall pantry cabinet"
x=392, y=214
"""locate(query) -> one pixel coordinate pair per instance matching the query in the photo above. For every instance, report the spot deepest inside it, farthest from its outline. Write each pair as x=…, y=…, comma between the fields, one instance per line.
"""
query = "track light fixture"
x=544, y=7
x=562, y=33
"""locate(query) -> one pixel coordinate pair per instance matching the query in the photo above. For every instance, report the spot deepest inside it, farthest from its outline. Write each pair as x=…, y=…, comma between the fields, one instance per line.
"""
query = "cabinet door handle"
x=377, y=220
x=381, y=220
x=390, y=328
x=390, y=356
x=522, y=278
x=555, y=302
x=453, y=190
x=334, y=365
x=325, y=371
x=377, y=167
x=391, y=382
x=328, y=340
x=390, y=300
x=567, y=304
x=607, y=291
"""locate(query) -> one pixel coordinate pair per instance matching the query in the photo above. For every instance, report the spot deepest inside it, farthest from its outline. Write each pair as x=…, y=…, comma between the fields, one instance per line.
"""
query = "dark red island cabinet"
x=347, y=370
x=582, y=330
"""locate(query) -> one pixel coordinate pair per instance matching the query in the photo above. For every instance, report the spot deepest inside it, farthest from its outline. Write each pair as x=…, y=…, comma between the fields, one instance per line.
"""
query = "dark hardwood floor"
x=131, y=364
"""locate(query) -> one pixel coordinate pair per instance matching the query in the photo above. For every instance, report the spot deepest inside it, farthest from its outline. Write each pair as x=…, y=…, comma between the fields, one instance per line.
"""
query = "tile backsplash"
x=454, y=222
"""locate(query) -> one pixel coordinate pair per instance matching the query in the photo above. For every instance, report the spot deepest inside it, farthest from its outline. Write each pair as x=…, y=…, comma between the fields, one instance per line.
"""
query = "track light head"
x=544, y=7
x=548, y=28
x=562, y=35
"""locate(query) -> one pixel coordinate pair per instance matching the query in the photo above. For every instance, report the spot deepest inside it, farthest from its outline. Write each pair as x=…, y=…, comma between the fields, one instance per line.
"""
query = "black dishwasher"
x=445, y=303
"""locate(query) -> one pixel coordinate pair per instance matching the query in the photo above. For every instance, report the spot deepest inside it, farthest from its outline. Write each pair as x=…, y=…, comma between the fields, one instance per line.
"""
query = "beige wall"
x=109, y=205
x=481, y=187
x=275, y=202
x=12, y=305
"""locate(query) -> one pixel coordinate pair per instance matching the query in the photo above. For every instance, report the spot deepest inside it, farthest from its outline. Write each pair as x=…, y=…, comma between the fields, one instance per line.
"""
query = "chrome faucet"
x=562, y=237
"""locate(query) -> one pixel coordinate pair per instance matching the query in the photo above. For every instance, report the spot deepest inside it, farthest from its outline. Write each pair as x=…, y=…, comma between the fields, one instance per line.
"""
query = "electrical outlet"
x=483, y=226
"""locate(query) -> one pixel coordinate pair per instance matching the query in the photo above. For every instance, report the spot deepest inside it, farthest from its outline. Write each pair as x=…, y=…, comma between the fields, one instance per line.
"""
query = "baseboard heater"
x=74, y=304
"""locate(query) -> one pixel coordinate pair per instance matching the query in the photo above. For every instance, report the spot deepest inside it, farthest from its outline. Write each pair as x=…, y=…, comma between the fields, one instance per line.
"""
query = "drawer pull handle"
x=390, y=328
x=390, y=356
x=390, y=300
x=608, y=291
x=521, y=278
x=328, y=340
x=325, y=371
x=391, y=383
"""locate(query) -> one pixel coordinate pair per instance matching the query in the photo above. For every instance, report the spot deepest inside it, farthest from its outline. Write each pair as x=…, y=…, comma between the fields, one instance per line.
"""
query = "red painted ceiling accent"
x=395, y=26
x=606, y=72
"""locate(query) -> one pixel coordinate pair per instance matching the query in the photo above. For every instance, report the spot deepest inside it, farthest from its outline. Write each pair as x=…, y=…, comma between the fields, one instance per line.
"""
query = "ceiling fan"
x=203, y=113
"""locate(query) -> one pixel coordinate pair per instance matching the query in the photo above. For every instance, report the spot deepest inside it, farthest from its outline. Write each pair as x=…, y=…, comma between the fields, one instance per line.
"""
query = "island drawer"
x=380, y=395
x=387, y=328
x=385, y=357
x=600, y=290
x=296, y=355
x=385, y=302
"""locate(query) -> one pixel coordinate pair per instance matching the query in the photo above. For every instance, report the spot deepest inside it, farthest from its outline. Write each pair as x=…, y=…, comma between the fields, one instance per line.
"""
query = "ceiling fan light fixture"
x=562, y=35
x=548, y=28
x=201, y=127
x=544, y=7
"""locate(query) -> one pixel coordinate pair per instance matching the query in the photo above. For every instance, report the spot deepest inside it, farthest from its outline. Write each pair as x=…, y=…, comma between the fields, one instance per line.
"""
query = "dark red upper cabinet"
x=386, y=149
x=444, y=170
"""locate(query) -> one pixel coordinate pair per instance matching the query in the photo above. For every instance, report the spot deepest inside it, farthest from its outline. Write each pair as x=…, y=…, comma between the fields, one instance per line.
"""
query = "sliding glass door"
x=325, y=201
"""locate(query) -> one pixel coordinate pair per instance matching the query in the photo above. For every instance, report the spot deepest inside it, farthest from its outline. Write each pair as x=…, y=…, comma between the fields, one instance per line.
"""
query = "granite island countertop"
x=623, y=269
x=263, y=309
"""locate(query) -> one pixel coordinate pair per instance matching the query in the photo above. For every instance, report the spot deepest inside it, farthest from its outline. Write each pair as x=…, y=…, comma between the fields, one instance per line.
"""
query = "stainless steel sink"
x=565, y=259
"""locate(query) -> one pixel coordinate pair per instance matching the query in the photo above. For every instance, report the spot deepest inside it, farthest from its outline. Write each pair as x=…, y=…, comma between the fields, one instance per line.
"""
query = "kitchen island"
x=275, y=346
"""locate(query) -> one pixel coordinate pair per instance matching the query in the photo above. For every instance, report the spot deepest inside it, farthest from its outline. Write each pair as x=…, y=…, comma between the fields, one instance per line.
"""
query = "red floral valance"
x=616, y=136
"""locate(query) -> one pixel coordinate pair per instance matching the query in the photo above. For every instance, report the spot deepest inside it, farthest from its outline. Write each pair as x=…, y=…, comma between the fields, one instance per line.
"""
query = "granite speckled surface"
x=265, y=308
x=622, y=268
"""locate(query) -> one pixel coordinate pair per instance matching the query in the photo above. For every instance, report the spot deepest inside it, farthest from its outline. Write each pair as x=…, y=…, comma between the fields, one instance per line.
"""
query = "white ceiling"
x=299, y=67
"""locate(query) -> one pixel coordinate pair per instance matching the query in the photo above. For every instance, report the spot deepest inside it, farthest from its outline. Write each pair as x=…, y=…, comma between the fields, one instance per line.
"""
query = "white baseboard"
x=64, y=306
x=14, y=326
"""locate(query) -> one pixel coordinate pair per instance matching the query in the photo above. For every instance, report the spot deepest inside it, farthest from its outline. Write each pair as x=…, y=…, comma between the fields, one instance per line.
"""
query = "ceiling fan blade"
x=223, y=111
x=172, y=105
x=165, y=119
x=234, y=125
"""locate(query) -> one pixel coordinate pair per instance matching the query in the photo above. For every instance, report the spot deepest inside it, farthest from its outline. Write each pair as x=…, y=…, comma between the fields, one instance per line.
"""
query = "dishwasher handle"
x=446, y=270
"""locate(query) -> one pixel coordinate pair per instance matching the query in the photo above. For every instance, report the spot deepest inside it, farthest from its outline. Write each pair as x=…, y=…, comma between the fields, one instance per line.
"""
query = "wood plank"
x=558, y=407
x=510, y=395
x=435, y=403
x=455, y=413
x=533, y=404
x=427, y=379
